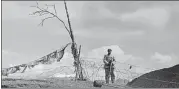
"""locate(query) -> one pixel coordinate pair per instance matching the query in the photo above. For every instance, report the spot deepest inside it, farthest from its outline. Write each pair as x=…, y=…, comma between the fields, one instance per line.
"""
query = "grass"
x=48, y=83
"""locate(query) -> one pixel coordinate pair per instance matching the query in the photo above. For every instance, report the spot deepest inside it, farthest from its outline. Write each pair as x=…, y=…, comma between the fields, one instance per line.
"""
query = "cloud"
x=164, y=61
x=100, y=52
x=118, y=7
x=156, y=61
x=131, y=15
x=104, y=32
x=139, y=32
x=17, y=11
x=161, y=58
x=155, y=16
x=96, y=15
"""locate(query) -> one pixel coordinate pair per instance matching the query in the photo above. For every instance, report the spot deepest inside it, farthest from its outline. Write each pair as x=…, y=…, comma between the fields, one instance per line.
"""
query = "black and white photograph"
x=89, y=44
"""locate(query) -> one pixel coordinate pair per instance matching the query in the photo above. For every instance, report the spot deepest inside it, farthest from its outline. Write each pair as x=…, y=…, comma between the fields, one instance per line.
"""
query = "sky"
x=146, y=30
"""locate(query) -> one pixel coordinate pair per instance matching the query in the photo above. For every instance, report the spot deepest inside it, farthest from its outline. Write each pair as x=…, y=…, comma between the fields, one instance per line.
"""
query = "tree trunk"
x=77, y=63
x=80, y=67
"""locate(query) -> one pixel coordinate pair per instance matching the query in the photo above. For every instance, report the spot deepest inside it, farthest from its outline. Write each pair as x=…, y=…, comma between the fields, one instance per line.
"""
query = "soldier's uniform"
x=109, y=68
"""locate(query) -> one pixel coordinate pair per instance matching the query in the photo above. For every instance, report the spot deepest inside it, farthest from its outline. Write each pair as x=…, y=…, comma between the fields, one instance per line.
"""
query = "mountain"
x=163, y=78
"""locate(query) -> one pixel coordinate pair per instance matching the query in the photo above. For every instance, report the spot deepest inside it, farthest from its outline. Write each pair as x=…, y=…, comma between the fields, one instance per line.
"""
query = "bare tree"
x=75, y=52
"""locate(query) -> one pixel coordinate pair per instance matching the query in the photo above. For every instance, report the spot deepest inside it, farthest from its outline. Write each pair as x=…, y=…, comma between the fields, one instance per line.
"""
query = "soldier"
x=109, y=66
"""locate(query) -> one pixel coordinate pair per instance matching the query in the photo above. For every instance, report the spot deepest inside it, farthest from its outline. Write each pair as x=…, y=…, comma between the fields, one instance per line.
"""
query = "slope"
x=163, y=78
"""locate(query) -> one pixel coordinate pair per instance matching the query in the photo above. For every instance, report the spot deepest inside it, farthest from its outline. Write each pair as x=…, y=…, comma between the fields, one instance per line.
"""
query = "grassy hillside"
x=162, y=78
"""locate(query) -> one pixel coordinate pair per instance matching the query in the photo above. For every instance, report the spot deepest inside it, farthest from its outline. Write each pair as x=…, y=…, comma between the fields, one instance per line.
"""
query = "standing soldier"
x=109, y=66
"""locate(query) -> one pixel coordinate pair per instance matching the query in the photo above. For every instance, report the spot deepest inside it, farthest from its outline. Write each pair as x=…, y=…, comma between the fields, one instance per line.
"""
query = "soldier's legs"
x=107, y=75
x=112, y=75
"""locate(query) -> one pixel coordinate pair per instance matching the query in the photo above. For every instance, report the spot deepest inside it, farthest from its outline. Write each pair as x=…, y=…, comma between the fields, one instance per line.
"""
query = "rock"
x=98, y=83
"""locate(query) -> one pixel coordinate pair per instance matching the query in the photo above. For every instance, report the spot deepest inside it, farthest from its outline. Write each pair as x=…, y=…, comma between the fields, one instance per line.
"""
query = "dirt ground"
x=50, y=83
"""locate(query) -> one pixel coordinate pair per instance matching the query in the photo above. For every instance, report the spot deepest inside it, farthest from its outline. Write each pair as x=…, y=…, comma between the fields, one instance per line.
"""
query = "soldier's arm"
x=114, y=60
x=104, y=60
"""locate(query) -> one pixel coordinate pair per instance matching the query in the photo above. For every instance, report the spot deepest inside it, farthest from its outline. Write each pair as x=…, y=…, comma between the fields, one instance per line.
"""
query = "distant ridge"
x=163, y=78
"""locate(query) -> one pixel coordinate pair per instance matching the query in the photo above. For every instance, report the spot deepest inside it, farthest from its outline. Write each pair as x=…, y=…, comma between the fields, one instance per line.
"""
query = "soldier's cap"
x=109, y=50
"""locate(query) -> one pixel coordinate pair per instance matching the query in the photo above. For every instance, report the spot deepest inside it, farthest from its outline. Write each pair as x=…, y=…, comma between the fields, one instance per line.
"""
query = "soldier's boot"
x=112, y=79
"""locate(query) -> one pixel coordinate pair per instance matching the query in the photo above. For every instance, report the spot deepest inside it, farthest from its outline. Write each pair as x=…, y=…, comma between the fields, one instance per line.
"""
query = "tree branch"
x=55, y=9
x=44, y=20
x=42, y=12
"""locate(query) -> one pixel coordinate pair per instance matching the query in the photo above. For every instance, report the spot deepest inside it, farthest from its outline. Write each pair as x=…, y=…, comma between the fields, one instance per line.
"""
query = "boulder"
x=98, y=83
